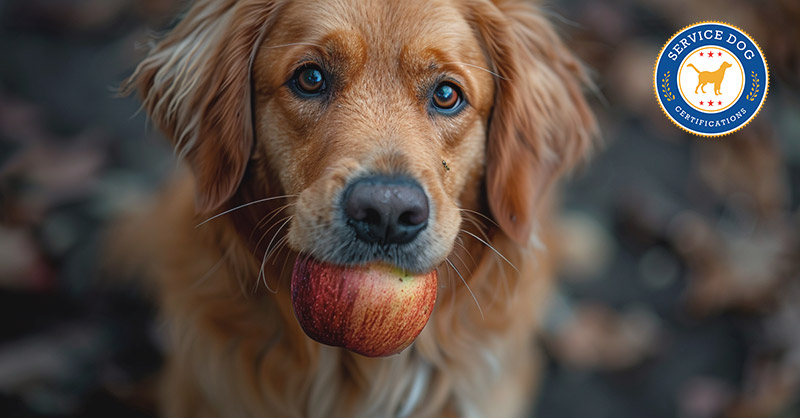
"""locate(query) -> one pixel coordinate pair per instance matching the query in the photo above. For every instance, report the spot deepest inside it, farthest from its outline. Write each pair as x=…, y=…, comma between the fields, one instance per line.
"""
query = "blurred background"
x=680, y=287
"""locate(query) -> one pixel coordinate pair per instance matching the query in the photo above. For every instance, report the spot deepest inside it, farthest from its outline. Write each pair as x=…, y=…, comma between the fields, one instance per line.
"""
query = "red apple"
x=373, y=310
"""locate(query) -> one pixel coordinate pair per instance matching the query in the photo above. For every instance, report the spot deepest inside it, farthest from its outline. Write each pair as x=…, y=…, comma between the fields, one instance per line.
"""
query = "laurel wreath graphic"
x=754, y=87
x=668, y=96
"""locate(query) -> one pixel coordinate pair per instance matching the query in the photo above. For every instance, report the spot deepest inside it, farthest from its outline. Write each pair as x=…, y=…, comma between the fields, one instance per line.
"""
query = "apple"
x=374, y=310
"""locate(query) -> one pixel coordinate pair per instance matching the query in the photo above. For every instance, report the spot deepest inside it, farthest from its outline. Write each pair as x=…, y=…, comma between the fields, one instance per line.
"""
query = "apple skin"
x=374, y=310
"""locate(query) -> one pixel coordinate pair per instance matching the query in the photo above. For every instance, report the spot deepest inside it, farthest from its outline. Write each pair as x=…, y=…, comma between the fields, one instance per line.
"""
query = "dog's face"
x=381, y=119
x=375, y=117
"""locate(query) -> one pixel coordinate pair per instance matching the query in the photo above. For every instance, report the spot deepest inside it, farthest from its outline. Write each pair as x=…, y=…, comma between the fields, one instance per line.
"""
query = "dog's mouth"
x=374, y=310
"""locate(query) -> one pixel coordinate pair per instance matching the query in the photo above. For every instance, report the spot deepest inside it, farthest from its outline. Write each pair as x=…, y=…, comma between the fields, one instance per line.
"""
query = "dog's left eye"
x=447, y=98
x=309, y=81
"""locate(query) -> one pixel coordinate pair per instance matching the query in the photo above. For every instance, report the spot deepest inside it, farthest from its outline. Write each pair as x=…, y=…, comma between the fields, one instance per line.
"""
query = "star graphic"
x=719, y=103
x=701, y=54
x=711, y=54
x=701, y=103
x=719, y=54
x=711, y=103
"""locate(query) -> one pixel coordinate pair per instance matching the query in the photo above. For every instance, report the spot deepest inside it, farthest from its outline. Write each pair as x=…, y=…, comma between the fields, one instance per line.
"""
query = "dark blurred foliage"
x=680, y=294
x=72, y=156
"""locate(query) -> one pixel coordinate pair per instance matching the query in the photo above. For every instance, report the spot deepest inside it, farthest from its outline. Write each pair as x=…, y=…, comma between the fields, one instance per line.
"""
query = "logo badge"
x=711, y=79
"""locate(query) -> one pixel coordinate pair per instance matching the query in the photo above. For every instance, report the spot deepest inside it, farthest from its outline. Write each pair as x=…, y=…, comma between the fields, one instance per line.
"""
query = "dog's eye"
x=447, y=98
x=309, y=80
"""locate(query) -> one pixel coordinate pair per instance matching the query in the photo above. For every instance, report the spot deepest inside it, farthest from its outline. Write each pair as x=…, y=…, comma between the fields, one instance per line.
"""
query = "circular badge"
x=711, y=79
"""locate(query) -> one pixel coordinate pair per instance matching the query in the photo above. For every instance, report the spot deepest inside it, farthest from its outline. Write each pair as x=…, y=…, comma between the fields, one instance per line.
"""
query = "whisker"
x=263, y=221
x=469, y=271
x=242, y=206
x=477, y=226
x=258, y=244
x=278, y=247
x=450, y=287
x=467, y=286
x=258, y=281
x=494, y=298
x=285, y=260
x=293, y=44
x=262, y=278
x=460, y=243
x=264, y=260
x=266, y=232
x=480, y=68
x=480, y=214
x=491, y=248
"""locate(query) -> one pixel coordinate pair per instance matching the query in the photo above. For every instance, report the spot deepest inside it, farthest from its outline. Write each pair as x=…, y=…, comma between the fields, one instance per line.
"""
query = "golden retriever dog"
x=280, y=109
x=712, y=77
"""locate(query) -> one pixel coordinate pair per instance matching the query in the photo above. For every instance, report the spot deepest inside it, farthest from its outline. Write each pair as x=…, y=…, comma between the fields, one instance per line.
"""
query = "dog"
x=714, y=77
x=277, y=108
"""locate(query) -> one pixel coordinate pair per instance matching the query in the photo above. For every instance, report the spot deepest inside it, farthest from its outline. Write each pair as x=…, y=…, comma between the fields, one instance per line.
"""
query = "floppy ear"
x=195, y=84
x=540, y=124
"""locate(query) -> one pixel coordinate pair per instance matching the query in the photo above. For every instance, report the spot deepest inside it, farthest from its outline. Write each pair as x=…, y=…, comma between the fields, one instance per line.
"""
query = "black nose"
x=386, y=210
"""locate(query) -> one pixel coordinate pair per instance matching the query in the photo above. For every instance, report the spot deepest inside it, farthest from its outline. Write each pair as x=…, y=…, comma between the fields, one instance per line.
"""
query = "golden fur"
x=216, y=85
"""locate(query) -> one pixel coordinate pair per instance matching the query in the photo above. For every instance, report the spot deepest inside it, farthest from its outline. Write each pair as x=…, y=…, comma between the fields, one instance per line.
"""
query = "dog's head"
x=383, y=120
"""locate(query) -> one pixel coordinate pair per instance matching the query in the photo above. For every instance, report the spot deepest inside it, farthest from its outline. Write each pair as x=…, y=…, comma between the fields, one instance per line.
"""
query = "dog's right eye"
x=309, y=81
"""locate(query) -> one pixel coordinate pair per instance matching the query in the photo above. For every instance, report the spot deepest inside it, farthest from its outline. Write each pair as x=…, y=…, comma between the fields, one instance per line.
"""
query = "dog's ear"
x=540, y=124
x=195, y=85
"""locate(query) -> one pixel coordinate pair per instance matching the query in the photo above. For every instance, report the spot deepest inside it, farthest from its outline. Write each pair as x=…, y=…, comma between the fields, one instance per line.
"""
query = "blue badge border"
x=656, y=83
